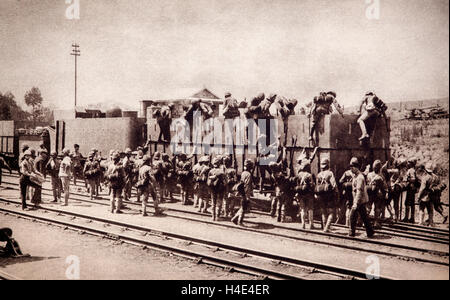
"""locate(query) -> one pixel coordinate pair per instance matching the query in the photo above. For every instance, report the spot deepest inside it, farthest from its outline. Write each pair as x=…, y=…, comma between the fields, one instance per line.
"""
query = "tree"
x=9, y=110
x=34, y=99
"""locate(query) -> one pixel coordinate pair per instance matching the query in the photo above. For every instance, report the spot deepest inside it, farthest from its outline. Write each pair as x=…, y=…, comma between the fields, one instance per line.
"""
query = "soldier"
x=90, y=172
x=184, y=173
x=76, y=161
x=282, y=188
x=65, y=172
x=231, y=180
x=202, y=178
x=326, y=193
x=376, y=191
x=230, y=107
x=254, y=109
x=169, y=176
x=53, y=166
x=265, y=106
x=395, y=178
x=245, y=189
x=305, y=192
x=371, y=107
x=196, y=173
x=116, y=178
x=322, y=105
x=27, y=171
x=163, y=117
x=157, y=172
x=437, y=188
x=411, y=182
x=216, y=183
x=360, y=198
x=423, y=196
x=128, y=166
x=346, y=182
x=146, y=185
x=3, y=164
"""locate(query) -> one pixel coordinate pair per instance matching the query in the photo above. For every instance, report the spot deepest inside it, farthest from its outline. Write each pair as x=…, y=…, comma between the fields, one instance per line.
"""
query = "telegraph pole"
x=75, y=53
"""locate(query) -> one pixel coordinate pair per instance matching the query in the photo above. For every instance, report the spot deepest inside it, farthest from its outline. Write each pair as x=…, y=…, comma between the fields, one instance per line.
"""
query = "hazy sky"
x=142, y=49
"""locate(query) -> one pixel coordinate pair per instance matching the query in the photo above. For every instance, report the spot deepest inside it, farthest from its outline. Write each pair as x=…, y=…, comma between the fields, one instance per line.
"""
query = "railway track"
x=402, y=230
x=391, y=251
x=85, y=224
x=6, y=276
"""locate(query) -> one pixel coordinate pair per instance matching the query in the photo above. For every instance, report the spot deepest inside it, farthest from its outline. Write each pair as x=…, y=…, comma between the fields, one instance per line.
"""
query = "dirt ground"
x=51, y=246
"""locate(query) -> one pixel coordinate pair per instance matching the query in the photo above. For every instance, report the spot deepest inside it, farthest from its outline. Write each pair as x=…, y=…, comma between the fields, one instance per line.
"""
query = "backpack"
x=303, y=186
x=323, y=185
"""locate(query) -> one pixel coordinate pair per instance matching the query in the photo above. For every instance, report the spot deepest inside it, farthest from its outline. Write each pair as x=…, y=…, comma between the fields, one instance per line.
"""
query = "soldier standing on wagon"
x=326, y=193
x=230, y=107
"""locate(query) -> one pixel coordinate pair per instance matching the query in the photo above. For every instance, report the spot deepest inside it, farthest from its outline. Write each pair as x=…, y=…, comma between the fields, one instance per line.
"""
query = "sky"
x=145, y=49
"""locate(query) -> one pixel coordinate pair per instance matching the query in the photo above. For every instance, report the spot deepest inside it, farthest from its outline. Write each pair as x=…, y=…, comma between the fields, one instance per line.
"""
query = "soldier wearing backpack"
x=377, y=191
x=346, y=182
x=230, y=181
x=146, y=185
x=326, y=193
x=91, y=171
x=203, y=190
x=116, y=178
x=169, y=176
x=411, y=183
x=371, y=107
x=157, y=172
x=305, y=192
x=245, y=190
x=128, y=166
x=216, y=183
x=184, y=173
x=437, y=188
x=423, y=196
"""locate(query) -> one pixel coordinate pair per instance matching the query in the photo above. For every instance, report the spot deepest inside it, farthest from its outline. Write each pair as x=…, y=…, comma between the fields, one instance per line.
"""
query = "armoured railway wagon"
x=337, y=137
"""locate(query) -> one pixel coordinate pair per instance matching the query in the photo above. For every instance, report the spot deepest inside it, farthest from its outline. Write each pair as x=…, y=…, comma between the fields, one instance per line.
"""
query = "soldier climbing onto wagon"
x=370, y=109
x=163, y=116
x=322, y=106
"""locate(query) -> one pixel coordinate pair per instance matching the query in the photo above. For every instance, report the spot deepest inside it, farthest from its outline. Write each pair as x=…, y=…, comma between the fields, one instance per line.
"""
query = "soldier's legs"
x=66, y=186
x=220, y=204
x=119, y=201
x=378, y=211
x=144, y=193
x=362, y=213
x=55, y=188
x=213, y=207
x=273, y=206
x=112, y=200
x=330, y=211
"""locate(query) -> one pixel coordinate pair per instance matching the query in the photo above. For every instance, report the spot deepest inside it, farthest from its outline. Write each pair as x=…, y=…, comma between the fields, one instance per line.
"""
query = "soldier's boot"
x=273, y=207
x=323, y=221
x=377, y=216
x=302, y=219
x=413, y=215
x=144, y=208
x=421, y=217
x=311, y=219
x=328, y=224
x=213, y=213
x=431, y=217
x=405, y=219
x=112, y=204
x=119, y=205
x=226, y=208
x=283, y=213
x=195, y=201
x=347, y=218
x=279, y=216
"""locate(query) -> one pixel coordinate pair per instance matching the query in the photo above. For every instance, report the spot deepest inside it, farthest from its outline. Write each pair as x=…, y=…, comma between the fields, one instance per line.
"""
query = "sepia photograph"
x=225, y=147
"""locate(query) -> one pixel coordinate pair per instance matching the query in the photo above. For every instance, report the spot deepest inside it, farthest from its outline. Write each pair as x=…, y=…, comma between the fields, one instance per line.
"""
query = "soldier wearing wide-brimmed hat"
x=326, y=193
